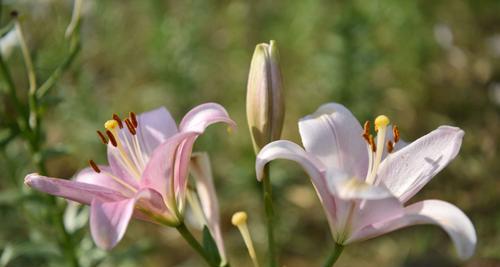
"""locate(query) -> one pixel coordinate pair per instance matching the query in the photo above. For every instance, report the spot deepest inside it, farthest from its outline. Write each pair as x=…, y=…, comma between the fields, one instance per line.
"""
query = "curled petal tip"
x=28, y=180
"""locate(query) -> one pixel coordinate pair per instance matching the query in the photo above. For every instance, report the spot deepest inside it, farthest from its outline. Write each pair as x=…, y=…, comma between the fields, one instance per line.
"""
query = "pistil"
x=381, y=123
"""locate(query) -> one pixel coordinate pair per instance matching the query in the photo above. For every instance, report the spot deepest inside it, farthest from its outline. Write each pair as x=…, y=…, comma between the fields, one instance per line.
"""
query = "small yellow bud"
x=110, y=125
x=382, y=121
x=239, y=218
x=265, y=104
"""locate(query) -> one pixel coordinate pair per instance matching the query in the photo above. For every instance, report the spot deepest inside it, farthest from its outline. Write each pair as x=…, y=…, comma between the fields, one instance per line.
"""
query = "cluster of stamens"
x=132, y=159
x=376, y=144
x=370, y=140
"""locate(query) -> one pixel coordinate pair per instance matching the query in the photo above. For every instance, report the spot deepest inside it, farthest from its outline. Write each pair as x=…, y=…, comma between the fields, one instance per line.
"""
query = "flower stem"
x=268, y=203
x=194, y=243
x=333, y=257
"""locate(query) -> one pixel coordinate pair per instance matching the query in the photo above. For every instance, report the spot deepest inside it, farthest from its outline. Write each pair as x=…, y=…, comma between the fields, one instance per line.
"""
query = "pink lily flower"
x=363, y=182
x=146, y=178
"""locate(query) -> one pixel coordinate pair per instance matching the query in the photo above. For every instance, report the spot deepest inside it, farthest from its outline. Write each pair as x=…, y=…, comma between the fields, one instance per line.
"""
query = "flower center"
x=123, y=136
x=376, y=147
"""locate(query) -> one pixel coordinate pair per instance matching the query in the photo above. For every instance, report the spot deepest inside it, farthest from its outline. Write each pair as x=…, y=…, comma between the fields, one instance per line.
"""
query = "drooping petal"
x=200, y=117
x=159, y=172
x=405, y=172
x=447, y=216
x=334, y=135
x=76, y=191
x=109, y=221
x=283, y=149
x=89, y=176
x=202, y=172
x=154, y=127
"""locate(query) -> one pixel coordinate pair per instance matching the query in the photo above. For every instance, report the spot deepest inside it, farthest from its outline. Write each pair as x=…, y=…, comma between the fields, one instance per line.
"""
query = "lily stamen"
x=395, y=132
x=102, y=137
x=239, y=220
x=117, y=119
x=390, y=146
x=112, y=133
x=94, y=166
x=133, y=119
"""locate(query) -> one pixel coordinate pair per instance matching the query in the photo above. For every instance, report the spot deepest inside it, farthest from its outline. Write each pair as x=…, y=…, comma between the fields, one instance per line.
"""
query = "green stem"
x=194, y=243
x=333, y=257
x=268, y=203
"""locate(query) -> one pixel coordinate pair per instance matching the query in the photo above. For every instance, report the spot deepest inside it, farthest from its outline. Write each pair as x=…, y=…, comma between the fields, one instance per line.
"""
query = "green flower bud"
x=265, y=103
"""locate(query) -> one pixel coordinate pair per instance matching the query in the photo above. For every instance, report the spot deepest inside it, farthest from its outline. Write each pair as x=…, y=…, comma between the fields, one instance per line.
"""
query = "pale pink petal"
x=200, y=117
x=119, y=167
x=283, y=149
x=437, y=212
x=334, y=135
x=202, y=172
x=345, y=187
x=154, y=127
x=408, y=170
x=109, y=221
x=368, y=212
x=160, y=168
x=89, y=176
x=76, y=191
x=152, y=200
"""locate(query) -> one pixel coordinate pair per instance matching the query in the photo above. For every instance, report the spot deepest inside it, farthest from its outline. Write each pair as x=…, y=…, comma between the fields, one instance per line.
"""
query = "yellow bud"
x=110, y=125
x=239, y=218
x=382, y=121
x=265, y=105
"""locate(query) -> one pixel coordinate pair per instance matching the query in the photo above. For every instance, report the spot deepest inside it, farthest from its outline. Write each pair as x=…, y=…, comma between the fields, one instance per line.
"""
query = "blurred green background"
x=422, y=63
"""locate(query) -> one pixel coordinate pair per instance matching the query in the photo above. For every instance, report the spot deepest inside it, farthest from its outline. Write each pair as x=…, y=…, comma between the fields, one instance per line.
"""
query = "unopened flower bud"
x=265, y=105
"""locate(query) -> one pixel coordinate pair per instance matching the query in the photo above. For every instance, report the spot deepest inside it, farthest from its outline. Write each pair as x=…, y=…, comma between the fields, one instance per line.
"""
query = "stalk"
x=334, y=256
x=268, y=203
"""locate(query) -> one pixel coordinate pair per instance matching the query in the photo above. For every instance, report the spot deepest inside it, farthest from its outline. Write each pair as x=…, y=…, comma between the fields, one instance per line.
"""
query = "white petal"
x=408, y=170
x=314, y=168
x=437, y=212
x=334, y=135
x=349, y=188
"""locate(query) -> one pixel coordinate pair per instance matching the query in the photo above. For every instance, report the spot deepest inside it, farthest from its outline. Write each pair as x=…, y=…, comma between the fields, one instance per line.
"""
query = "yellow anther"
x=111, y=124
x=381, y=121
x=239, y=218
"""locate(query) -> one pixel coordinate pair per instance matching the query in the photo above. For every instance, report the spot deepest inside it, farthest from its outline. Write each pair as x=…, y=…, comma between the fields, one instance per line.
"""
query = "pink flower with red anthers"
x=146, y=178
x=363, y=182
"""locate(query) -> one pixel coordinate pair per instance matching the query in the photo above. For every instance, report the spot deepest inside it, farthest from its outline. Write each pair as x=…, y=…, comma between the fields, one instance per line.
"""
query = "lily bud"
x=265, y=105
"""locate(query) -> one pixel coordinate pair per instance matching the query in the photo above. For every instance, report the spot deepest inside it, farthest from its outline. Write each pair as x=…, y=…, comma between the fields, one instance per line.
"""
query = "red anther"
x=117, y=119
x=102, y=137
x=111, y=138
x=372, y=143
x=395, y=132
x=133, y=119
x=130, y=127
x=94, y=166
x=390, y=146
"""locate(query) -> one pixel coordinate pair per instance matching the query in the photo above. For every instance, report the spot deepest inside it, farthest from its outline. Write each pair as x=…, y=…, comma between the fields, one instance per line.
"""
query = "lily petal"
x=408, y=170
x=89, y=176
x=154, y=127
x=76, y=191
x=349, y=188
x=437, y=212
x=160, y=169
x=109, y=221
x=334, y=135
x=284, y=149
x=202, y=172
x=200, y=117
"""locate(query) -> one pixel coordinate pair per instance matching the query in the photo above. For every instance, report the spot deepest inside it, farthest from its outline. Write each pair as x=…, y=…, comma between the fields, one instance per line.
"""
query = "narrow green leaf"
x=210, y=246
